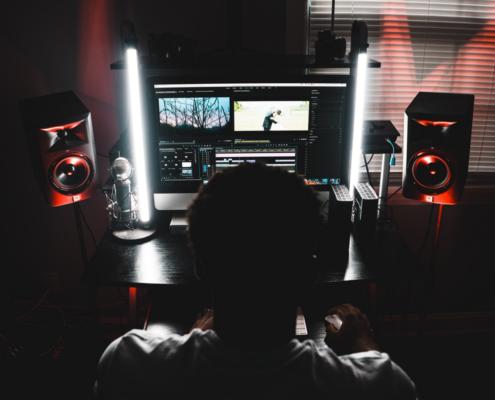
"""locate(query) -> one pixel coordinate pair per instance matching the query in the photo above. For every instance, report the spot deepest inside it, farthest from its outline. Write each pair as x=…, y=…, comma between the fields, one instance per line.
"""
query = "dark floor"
x=52, y=353
x=447, y=367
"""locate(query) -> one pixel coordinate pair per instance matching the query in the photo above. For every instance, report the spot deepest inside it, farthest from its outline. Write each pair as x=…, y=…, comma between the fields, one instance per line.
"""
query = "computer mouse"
x=334, y=320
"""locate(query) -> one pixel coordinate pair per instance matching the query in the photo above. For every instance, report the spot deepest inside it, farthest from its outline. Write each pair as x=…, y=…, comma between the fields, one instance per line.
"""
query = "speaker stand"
x=430, y=279
x=80, y=233
x=434, y=250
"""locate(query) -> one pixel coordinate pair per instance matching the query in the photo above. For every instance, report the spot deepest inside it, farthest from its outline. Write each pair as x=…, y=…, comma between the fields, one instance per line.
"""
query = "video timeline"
x=284, y=158
x=189, y=163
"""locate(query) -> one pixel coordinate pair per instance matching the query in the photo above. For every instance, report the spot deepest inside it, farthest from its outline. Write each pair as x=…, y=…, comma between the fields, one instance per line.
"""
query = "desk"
x=165, y=262
x=392, y=262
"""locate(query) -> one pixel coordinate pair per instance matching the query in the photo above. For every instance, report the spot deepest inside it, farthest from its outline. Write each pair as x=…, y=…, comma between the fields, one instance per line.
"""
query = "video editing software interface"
x=207, y=127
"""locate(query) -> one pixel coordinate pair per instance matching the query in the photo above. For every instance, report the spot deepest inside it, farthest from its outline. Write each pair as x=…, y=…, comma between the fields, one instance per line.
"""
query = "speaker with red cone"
x=60, y=137
x=436, y=146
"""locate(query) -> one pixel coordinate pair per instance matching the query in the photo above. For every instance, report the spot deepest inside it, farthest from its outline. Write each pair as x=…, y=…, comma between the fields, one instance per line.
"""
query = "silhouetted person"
x=253, y=232
x=270, y=119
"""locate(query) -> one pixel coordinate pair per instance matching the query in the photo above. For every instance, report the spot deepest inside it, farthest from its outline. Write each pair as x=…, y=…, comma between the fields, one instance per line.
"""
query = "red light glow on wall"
x=415, y=58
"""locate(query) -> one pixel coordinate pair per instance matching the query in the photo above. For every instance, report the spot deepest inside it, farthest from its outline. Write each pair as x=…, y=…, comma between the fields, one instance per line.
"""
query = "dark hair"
x=253, y=218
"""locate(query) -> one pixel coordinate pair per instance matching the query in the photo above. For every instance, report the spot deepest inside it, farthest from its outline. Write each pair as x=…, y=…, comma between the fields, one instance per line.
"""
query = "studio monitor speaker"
x=60, y=136
x=436, y=150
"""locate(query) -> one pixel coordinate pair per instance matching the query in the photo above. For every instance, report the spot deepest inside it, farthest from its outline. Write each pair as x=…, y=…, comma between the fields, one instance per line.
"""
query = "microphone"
x=122, y=205
x=121, y=172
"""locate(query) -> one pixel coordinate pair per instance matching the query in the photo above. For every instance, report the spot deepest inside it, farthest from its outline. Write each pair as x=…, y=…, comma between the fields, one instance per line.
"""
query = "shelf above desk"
x=243, y=61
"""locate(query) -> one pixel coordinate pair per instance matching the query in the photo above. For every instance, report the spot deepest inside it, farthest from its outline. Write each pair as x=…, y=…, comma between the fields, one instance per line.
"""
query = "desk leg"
x=383, y=192
x=132, y=306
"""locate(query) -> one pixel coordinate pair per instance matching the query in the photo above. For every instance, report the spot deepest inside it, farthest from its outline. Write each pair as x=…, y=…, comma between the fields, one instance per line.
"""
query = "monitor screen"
x=200, y=128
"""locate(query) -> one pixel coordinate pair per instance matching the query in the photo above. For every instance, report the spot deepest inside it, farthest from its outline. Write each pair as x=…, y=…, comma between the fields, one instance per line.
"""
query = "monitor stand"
x=178, y=222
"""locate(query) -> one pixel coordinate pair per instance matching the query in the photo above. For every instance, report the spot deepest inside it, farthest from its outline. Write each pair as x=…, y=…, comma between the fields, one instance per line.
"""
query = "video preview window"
x=271, y=115
x=195, y=114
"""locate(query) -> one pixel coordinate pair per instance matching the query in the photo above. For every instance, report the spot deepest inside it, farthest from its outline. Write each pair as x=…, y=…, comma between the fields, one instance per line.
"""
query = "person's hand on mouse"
x=204, y=320
x=348, y=330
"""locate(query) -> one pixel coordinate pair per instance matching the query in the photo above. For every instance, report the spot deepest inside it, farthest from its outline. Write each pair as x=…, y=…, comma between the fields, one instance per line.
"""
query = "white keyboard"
x=301, y=328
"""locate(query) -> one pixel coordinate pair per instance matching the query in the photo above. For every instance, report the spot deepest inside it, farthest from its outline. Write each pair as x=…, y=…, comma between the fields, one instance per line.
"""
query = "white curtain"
x=435, y=45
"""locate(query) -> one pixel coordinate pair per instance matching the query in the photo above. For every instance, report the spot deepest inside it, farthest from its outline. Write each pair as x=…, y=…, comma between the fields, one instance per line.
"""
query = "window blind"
x=429, y=45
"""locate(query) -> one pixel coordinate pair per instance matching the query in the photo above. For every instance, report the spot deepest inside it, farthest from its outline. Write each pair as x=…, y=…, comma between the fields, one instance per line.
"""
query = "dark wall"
x=52, y=46
x=462, y=275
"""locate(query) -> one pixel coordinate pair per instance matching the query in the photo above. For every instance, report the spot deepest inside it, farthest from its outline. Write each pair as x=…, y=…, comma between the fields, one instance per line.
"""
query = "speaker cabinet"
x=436, y=151
x=60, y=136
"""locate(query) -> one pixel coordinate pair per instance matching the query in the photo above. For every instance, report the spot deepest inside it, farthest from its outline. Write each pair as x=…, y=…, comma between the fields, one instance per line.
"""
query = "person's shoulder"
x=140, y=342
x=381, y=376
x=140, y=359
x=371, y=372
x=148, y=341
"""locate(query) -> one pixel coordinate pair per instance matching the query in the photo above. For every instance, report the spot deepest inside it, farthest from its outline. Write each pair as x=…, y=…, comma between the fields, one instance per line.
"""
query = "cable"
x=88, y=227
x=367, y=170
x=60, y=336
x=35, y=307
x=392, y=157
x=394, y=193
x=428, y=231
x=367, y=162
x=383, y=207
x=410, y=280
x=22, y=322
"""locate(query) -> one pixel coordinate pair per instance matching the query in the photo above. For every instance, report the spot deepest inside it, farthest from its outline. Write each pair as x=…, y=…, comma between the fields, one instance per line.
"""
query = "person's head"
x=253, y=232
x=277, y=112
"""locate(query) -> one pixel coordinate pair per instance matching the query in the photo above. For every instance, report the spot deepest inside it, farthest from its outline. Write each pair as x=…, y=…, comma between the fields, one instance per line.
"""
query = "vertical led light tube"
x=358, y=119
x=137, y=134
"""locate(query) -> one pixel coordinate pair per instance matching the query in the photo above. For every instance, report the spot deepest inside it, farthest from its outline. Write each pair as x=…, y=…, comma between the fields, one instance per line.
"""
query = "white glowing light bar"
x=358, y=120
x=137, y=134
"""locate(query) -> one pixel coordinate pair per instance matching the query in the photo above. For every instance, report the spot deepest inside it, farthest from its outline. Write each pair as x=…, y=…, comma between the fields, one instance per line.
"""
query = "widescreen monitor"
x=200, y=127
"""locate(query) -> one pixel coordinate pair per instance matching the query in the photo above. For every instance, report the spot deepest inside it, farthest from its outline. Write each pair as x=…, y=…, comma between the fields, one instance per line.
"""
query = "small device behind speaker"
x=364, y=216
x=438, y=136
x=60, y=137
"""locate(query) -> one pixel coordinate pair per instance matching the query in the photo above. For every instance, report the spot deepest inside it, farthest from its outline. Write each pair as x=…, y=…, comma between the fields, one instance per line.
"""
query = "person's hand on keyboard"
x=204, y=320
x=348, y=330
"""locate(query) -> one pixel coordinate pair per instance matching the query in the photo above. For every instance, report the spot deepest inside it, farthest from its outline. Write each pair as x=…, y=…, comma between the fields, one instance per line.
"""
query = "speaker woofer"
x=71, y=174
x=432, y=172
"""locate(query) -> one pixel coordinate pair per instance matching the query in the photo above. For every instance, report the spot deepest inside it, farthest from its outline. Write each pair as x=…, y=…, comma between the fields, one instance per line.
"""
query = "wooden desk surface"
x=166, y=259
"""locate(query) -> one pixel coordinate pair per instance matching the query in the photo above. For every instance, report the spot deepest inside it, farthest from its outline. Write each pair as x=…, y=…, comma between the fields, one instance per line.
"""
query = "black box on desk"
x=339, y=224
x=376, y=133
x=364, y=215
